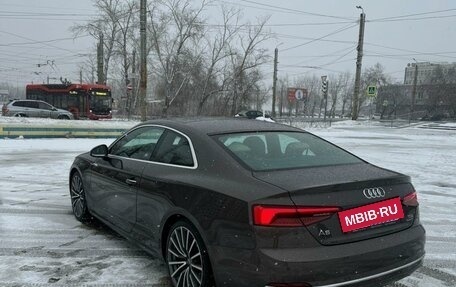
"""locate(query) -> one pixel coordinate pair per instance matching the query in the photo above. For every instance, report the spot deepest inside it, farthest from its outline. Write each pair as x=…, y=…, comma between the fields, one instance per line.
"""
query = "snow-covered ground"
x=41, y=244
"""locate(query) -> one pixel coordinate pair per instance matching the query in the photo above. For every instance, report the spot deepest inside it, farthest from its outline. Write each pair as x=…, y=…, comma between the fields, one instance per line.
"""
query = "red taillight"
x=290, y=216
x=410, y=199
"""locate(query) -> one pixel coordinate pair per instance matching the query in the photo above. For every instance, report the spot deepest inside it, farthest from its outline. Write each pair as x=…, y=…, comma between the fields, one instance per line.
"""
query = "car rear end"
x=334, y=235
x=341, y=224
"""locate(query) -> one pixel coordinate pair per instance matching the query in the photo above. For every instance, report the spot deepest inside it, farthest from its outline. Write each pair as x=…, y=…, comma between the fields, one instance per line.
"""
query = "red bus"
x=82, y=100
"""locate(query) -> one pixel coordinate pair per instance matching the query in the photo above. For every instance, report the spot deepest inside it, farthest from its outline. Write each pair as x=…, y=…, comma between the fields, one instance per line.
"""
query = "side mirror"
x=54, y=109
x=99, y=151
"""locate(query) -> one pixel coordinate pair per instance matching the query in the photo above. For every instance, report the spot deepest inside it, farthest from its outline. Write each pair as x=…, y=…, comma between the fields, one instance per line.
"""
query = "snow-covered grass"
x=41, y=242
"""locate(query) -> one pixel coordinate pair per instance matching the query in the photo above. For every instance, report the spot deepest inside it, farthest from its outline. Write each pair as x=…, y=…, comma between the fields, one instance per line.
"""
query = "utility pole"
x=133, y=84
x=80, y=76
x=143, y=68
x=359, y=59
x=274, y=82
x=324, y=89
x=415, y=78
x=100, y=61
x=281, y=101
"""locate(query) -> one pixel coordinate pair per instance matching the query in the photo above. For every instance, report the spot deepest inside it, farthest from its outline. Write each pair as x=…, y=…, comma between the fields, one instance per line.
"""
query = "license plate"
x=371, y=214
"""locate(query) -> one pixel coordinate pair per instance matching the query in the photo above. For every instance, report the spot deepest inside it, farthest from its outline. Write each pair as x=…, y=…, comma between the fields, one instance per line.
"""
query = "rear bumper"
x=365, y=263
x=99, y=117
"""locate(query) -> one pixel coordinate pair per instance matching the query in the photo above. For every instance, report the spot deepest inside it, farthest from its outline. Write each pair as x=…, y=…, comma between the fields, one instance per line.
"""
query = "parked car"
x=252, y=114
x=232, y=202
x=33, y=108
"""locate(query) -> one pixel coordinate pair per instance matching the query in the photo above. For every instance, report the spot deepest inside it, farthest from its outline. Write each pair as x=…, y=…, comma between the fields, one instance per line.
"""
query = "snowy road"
x=41, y=244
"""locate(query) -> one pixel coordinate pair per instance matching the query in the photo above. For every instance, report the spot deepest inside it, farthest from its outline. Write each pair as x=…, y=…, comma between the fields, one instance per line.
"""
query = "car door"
x=172, y=160
x=28, y=108
x=45, y=110
x=115, y=179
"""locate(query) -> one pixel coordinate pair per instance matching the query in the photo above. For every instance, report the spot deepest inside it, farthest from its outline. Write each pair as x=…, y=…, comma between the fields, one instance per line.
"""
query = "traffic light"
x=324, y=86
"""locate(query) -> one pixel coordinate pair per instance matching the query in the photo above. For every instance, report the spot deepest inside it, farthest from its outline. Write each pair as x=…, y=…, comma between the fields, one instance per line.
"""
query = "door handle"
x=130, y=181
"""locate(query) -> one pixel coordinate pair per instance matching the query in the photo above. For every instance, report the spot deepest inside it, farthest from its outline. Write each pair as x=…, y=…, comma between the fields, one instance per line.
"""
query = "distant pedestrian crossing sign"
x=372, y=91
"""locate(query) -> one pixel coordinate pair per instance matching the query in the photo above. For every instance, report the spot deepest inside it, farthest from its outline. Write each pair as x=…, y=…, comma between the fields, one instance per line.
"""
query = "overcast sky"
x=35, y=32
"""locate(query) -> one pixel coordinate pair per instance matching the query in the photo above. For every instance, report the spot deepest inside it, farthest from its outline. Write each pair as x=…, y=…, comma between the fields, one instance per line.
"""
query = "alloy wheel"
x=184, y=258
x=77, y=196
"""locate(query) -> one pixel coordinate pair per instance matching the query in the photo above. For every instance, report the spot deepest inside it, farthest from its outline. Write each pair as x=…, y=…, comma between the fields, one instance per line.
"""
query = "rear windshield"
x=264, y=151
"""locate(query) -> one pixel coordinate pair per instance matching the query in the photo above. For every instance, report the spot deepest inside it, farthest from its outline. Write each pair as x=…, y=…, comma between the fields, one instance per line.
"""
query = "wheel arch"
x=63, y=116
x=73, y=170
x=170, y=220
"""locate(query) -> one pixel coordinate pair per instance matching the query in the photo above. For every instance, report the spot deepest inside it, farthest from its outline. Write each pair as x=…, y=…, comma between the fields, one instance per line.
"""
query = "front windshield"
x=263, y=151
x=100, y=104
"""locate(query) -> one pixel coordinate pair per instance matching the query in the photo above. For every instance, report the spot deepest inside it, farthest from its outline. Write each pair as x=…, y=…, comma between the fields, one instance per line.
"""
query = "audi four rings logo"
x=374, y=192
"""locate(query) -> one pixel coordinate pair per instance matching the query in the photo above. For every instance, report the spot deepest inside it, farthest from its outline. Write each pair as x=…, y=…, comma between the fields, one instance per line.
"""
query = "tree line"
x=195, y=68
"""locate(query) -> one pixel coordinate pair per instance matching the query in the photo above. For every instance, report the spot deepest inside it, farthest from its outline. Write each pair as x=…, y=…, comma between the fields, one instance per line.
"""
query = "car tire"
x=186, y=257
x=20, y=115
x=78, y=198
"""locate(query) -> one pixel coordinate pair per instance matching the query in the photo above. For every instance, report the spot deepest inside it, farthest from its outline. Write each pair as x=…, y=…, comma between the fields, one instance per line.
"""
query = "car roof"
x=221, y=125
x=27, y=100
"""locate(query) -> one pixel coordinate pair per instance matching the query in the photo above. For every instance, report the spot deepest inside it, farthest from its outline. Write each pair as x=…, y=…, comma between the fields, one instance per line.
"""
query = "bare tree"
x=124, y=43
x=107, y=24
x=183, y=25
x=248, y=58
x=218, y=45
x=440, y=92
x=373, y=76
x=338, y=91
x=347, y=92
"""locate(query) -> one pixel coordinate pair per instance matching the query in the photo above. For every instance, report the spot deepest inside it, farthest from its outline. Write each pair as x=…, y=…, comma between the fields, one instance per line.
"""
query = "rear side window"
x=31, y=104
x=19, y=104
x=174, y=149
x=264, y=151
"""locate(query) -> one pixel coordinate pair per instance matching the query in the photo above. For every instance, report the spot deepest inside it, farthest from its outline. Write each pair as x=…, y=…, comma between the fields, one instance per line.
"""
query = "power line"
x=412, y=19
x=339, y=58
x=45, y=44
x=442, y=54
x=411, y=15
x=42, y=42
x=33, y=14
x=333, y=54
x=285, y=36
x=322, y=37
x=46, y=7
x=408, y=51
x=46, y=19
x=295, y=10
x=278, y=24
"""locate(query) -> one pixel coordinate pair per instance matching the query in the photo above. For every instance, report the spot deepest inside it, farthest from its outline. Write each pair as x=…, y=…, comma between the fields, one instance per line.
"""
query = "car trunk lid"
x=354, y=189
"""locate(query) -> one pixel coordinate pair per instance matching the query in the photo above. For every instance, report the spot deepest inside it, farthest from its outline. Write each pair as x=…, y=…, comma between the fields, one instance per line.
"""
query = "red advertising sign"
x=291, y=94
x=371, y=214
x=297, y=94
